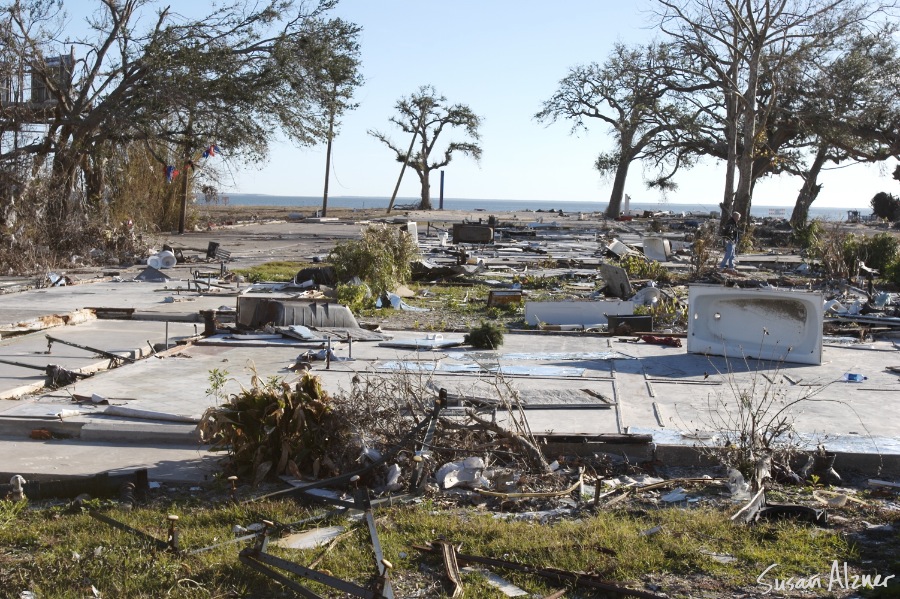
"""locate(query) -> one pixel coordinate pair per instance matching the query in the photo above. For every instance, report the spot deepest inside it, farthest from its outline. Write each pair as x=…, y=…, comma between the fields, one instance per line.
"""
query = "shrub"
x=892, y=272
x=487, y=335
x=747, y=240
x=808, y=236
x=879, y=251
x=640, y=267
x=828, y=245
x=355, y=297
x=885, y=205
x=382, y=258
x=273, y=428
x=706, y=241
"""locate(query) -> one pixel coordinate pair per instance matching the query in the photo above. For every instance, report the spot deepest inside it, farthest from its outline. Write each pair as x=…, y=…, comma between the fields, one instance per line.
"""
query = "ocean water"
x=306, y=203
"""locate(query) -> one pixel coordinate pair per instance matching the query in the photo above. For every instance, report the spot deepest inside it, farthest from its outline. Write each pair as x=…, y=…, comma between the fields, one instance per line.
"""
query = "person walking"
x=731, y=234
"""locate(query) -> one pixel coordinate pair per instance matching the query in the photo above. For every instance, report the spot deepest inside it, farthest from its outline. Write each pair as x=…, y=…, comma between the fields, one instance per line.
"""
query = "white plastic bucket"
x=167, y=259
x=153, y=261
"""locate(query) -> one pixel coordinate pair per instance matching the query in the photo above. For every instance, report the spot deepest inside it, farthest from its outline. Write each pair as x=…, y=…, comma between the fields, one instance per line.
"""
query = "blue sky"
x=503, y=58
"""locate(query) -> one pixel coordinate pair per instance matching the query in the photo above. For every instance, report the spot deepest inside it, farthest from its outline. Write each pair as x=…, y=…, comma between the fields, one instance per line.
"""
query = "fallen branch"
x=544, y=494
x=535, y=455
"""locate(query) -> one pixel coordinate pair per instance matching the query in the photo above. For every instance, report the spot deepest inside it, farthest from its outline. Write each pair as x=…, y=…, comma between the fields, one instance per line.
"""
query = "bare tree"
x=637, y=93
x=736, y=42
x=425, y=115
x=846, y=109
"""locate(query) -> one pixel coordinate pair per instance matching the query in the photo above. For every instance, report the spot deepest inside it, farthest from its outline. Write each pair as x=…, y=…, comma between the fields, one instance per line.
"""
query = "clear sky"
x=502, y=58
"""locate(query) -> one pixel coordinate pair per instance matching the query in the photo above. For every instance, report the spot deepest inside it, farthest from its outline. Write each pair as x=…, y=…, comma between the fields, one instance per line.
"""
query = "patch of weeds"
x=382, y=258
x=504, y=311
x=442, y=325
x=706, y=241
x=487, y=335
x=274, y=428
x=10, y=510
x=279, y=271
x=528, y=281
x=459, y=299
x=667, y=312
x=640, y=267
x=356, y=297
x=684, y=546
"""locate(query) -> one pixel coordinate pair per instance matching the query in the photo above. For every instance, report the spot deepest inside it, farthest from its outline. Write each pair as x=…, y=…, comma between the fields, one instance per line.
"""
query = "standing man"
x=731, y=234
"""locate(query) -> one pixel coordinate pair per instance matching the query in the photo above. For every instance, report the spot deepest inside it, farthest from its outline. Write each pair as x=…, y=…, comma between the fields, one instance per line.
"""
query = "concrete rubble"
x=580, y=380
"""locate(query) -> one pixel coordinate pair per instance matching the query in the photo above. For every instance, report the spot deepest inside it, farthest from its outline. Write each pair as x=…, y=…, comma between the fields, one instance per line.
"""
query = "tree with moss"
x=426, y=115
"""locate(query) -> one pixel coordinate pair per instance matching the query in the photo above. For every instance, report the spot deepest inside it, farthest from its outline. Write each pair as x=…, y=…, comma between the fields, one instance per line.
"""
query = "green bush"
x=355, y=297
x=487, y=335
x=879, y=251
x=640, y=267
x=892, y=272
x=885, y=205
x=809, y=235
x=382, y=258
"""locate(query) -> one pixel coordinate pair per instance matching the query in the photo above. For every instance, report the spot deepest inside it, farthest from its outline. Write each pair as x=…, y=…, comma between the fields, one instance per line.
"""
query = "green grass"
x=57, y=553
x=277, y=271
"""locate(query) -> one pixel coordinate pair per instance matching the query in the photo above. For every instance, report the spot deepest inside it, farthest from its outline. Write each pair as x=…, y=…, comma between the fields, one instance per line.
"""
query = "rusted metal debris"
x=758, y=509
x=171, y=544
x=57, y=376
x=561, y=576
x=258, y=558
x=111, y=356
x=98, y=485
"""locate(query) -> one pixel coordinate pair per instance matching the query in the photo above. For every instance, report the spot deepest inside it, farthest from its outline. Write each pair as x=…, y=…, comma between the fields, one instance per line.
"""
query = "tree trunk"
x=618, y=190
x=187, y=167
x=743, y=195
x=328, y=162
x=65, y=169
x=425, y=203
x=94, y=180
x=810, y=190
x=731, y=160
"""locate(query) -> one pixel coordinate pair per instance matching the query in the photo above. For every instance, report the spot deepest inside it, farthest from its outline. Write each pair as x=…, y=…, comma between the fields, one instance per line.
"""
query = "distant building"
x=58, y=74
x=26, y=85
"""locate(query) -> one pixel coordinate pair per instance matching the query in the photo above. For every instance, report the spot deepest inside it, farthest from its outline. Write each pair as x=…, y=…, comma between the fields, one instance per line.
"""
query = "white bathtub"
x=755, y=323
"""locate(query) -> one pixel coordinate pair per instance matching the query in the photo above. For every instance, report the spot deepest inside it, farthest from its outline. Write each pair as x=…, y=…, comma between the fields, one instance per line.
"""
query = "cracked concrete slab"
x=667, y=392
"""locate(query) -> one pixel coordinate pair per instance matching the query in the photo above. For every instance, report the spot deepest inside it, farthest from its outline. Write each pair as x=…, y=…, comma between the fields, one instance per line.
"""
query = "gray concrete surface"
x=677, y=397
